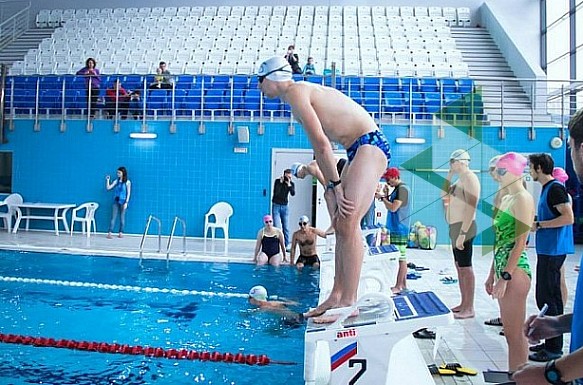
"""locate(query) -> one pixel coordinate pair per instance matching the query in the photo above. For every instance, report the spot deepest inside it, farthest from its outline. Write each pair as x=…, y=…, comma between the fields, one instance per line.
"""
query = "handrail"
x=150, y=217
x=14, y=26
x=507, y=111
x=183, y=222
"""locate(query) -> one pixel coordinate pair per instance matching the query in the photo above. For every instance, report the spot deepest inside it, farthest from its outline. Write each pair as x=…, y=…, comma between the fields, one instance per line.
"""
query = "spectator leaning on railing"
x=93, y=82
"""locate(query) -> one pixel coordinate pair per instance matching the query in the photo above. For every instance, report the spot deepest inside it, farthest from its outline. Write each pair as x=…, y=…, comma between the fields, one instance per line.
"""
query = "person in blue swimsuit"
x=270, y=246
x=328, y=116
x=122, y=189
x=570, y=366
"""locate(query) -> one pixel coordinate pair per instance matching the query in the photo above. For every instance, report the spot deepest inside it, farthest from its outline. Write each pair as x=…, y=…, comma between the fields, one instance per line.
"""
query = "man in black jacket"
x=282, y=187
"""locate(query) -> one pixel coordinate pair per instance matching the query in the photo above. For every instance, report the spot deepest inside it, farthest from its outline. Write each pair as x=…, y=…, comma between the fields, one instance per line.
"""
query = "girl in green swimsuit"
x=509, y=278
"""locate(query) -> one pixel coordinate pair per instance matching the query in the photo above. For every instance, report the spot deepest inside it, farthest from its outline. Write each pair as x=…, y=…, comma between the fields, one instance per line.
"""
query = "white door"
x=301, y=203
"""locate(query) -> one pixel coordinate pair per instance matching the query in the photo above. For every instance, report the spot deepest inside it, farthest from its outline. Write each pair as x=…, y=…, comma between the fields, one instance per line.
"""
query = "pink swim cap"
x=513, y=162
x=560, y=174
x=267, y=218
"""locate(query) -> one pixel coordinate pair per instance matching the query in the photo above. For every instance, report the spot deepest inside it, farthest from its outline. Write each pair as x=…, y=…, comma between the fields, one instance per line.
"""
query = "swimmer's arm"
x=281, y=244
x=320, y=233
x=472, y=195
x=314, y=170
x=523, y=211
x=257, y=246
x=292, y=254
x=565, y=219
x=306, y=115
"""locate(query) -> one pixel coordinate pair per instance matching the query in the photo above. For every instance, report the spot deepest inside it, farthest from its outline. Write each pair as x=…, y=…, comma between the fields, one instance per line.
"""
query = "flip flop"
x=448, y=280
x=459, y=369
x=413, y=276
x=424, y=334
x=433, y=369
x=494, y=322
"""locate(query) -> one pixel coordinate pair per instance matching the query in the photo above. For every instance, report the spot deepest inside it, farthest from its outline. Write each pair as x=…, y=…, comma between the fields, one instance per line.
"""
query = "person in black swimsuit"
x=270, y=246
x=306, y=238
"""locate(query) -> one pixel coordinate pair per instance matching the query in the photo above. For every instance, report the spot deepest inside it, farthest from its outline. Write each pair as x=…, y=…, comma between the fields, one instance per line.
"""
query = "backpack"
x=413, y=241
x=427, y=237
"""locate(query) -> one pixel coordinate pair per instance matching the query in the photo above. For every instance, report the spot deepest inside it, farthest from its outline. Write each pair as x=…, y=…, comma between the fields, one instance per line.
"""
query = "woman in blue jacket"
x=122, y=190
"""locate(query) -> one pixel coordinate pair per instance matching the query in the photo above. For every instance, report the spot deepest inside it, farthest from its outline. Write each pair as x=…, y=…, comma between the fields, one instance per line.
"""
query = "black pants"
x=548, y=290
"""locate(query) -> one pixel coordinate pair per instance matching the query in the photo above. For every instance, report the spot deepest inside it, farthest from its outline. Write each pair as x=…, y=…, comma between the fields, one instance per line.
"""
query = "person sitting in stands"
x=163, y=78
x=116, y=94
x=135, y=104
x=310, y=68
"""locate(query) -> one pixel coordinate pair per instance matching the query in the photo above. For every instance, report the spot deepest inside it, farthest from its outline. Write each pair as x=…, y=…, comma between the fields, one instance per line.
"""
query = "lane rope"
x=105, y=286
x=148, y=351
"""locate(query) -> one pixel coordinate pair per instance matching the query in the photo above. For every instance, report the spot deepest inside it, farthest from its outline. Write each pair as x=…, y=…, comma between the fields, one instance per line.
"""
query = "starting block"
x=359, y=349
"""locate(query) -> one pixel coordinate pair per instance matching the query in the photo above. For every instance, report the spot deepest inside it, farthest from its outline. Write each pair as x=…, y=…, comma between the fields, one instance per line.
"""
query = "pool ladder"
x=170, y=239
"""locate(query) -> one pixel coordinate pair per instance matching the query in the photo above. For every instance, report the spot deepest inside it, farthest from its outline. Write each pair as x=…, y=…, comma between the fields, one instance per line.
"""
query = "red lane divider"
x=148, y=351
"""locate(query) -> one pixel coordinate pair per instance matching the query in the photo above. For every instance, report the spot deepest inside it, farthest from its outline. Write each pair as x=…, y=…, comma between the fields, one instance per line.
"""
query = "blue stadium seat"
x=428, y=85
x=240, y=82
x=51, y=83
x=221, y=82
x=238, y=102
x=191, y=103
x=448, y=85
x=317, y=79
x=371, y=83
x=252, y=102
x=394, y=102
x=351, y=84
x=410, y=84
x=50, y=101
x=298, y=77
x=414, y=102
x=432, y=102
x=328, y=82
x=205, y=81
x=132, y=82
x=157, y=102
x=184, y=82
x=391, y=84
x=465, y=86
x=271, y=107
x=213, y=101
x=371, y=102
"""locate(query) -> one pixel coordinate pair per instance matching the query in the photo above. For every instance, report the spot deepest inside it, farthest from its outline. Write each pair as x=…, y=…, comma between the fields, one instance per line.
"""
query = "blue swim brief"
x=374, y=138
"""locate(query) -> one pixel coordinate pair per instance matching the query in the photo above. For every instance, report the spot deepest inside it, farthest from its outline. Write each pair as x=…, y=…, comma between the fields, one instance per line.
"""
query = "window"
x=558, y=40
x=556, y=9
x=559, y=69
x=5, y=172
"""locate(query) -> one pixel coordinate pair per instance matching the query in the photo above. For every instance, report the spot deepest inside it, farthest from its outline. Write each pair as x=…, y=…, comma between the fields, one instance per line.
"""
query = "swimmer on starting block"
x=327, y=116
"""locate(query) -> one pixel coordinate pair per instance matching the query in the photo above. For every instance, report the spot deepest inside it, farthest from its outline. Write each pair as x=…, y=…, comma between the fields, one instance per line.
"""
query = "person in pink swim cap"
x=270, y=245
x=510, y=275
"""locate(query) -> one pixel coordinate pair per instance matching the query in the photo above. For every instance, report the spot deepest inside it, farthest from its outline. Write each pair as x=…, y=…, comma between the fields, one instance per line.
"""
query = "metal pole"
x=2, y=101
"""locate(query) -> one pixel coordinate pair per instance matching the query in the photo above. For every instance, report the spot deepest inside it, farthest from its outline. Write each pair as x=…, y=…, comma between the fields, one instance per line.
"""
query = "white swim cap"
x=258, y=292
x=296, y=167
x=304, y=219
x=276, y=69
x=460, y=154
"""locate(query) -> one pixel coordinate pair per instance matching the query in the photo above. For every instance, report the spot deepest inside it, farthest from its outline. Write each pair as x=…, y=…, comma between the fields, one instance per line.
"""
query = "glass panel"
x=579, y=27
x=559, y=69
x=558, y=40
x=556, y=9
x=579, y=58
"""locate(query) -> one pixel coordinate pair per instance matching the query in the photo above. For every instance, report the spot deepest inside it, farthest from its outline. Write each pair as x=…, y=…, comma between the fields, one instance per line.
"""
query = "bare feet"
x=329, y=230
x=396, y=290
x=332, y=302
x=577, y=267
x=456, y=309
x=108, y=235
x=332, y=315
x=120, y=235
x=465, y=314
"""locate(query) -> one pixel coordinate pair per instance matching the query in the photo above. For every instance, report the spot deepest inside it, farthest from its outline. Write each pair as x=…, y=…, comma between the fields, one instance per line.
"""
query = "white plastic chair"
x=221, y=211
x=12, y=210
x=87, y=219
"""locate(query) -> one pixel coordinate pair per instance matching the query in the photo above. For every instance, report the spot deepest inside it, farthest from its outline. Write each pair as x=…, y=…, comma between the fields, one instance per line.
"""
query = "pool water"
x=224, y=323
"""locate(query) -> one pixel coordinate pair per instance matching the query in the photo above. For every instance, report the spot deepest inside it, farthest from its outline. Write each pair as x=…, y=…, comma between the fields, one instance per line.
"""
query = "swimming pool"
x=118, y=305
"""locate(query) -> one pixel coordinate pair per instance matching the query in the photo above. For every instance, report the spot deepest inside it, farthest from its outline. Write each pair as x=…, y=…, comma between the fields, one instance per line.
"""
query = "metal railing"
x=148, y=222
x=200, y=98
x=13, y=24
x=170, y=239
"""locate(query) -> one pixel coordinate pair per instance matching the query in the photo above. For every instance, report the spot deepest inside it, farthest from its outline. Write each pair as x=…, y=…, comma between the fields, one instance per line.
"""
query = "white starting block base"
x=376, y=347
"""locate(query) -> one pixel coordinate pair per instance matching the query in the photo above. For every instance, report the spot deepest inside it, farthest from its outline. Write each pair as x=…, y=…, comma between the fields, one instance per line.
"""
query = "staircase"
x=485, y=60
x=18, y=48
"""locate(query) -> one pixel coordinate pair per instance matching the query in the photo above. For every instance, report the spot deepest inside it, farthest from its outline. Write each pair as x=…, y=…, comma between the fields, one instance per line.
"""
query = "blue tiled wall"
x=186, y=172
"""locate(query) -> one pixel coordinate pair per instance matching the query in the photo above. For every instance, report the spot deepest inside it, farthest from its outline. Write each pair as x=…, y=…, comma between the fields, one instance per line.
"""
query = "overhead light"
x=410, y=140
x=143, y=135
